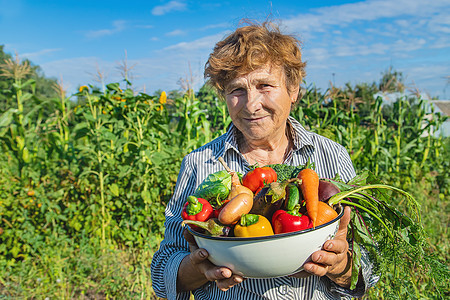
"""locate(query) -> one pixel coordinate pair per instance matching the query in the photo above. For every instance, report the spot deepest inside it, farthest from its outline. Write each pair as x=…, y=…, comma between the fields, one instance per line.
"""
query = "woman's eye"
x=237, y=91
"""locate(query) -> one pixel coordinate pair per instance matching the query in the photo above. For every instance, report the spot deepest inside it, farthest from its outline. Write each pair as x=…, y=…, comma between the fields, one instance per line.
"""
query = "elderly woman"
x=258, y=71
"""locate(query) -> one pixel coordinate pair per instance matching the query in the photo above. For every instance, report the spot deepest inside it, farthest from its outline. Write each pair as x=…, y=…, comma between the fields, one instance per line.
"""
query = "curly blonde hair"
x=251, y=47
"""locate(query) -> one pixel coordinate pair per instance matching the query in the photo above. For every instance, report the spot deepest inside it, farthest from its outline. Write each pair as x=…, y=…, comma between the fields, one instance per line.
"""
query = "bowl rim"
x=266, y=237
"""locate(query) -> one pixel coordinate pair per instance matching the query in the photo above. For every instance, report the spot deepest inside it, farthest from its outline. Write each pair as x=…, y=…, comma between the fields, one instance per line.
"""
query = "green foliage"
x=215, y=188
x=285, y=172
x=393, y=234
x=62, y=269
x=84, y=185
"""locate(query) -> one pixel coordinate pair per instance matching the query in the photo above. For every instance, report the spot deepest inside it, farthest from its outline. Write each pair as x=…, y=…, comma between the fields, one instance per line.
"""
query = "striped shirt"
x=330, y=159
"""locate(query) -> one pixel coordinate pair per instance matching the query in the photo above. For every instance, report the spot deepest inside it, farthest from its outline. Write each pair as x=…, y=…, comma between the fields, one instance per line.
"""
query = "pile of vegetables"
x=279, y=198
x=256, y=204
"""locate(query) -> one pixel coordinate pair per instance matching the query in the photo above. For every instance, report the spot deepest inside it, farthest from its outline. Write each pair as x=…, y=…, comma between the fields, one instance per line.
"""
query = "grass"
x=66, y=270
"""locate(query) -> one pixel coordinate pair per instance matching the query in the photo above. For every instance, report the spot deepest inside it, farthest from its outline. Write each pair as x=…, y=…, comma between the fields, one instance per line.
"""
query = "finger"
x=191, y=240
x=345, y=220
x=301, y=274
x=339, y=243
x=316, y=269
x=328, y=258
x=209, y=270
x=225, y=284
x=215, y=273
x=335, y=245
x=198, y=256
x=188, y=236
x=341, y=234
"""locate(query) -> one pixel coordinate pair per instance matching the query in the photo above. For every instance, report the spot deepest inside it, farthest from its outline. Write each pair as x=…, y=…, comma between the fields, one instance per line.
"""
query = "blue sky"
x=169, y=40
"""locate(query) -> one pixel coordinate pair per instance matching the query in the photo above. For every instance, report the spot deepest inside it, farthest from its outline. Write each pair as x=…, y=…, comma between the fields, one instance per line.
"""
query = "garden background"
x=84, y=178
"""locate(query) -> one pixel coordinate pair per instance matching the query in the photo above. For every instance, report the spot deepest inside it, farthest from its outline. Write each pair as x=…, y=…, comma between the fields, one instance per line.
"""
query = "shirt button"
x=282, y=289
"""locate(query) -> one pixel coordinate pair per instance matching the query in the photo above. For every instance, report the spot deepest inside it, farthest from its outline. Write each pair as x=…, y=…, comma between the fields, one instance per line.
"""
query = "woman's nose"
x=254, y=100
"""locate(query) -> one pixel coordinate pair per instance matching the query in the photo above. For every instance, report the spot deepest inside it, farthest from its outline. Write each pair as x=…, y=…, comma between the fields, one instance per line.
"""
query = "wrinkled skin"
x=259, y=104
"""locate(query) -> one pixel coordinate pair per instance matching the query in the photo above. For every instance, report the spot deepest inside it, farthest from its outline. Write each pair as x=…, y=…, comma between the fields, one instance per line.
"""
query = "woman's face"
x=259, y=103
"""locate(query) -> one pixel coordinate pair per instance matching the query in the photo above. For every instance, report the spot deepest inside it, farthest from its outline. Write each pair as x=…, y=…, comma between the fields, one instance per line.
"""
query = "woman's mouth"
x=255, y=119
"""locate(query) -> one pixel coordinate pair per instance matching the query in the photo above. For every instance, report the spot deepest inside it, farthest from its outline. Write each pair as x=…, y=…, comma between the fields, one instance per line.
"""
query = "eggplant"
x=262, y=204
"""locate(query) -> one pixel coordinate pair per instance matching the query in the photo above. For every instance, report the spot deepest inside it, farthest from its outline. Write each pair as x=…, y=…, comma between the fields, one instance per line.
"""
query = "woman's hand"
x=334, y=260
x=196, y=270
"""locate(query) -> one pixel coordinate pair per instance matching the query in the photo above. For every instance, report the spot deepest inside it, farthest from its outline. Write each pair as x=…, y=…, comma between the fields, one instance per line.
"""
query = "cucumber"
x=215, y=193
x=292, y=196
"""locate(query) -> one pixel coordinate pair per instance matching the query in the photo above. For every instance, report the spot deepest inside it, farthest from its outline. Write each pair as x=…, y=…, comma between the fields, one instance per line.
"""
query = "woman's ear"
x=294, y=94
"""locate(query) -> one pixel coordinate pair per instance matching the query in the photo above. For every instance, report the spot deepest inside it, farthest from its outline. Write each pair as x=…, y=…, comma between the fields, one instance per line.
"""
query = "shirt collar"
x=301, y=137
x=231, y=137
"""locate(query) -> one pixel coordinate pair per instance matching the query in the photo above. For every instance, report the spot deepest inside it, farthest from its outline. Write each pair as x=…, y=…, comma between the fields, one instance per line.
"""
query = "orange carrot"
x=310, y=191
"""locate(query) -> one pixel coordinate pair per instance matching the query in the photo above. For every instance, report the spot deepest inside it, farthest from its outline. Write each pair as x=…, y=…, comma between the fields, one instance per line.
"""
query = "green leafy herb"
x=215, y=187
x=285, y=172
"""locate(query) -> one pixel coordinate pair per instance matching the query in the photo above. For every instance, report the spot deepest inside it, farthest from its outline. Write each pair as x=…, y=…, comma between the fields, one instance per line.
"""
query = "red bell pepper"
x=290, y=221
x=196, y=209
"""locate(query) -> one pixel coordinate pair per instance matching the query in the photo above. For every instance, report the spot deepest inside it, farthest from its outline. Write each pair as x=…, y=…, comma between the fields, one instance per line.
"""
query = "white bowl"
x=268, y=256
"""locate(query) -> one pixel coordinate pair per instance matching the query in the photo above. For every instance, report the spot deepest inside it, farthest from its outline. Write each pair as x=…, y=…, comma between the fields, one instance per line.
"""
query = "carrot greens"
x=392, y=234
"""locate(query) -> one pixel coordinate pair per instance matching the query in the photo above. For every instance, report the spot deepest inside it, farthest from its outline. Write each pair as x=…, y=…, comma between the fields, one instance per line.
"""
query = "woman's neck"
x=266, y=152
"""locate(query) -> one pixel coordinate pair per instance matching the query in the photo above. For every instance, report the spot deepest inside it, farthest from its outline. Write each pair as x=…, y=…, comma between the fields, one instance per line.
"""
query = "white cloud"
x=375, y=34
x=440, y=43
x=408, y=45
x=79, y=71
x=175, y=32
x=169, y=7
x=206, y=42
x=362, y=50
x=160, y=71
x=145, y=26
x=317, y=55
x=440, y=23
x=423, y=78
x=214, y=26
x=118, y=26
x=34, y=55
x=320, y=19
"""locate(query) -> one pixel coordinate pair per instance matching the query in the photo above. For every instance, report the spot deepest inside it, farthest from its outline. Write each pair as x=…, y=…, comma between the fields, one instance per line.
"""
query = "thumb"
x=190, y=239
x=343, y=225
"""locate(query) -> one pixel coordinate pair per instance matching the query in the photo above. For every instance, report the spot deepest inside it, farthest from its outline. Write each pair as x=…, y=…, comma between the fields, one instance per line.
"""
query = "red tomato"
x=257, y=178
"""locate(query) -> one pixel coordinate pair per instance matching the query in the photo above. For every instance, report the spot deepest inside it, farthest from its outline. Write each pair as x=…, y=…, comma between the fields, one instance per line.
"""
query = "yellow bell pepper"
x=252, y=225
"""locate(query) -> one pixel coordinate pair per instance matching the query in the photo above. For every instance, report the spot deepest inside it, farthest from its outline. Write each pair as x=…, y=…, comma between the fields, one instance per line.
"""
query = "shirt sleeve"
x=166, y=261
x=346, y=169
